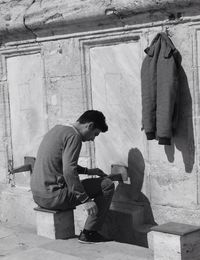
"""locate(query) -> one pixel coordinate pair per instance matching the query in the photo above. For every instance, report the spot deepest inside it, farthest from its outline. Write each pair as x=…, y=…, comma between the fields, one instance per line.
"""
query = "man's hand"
x=96, y=171
x=91, y=207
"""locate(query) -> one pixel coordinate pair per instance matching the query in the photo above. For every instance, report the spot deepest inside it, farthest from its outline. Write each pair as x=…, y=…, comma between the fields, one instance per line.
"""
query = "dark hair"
x=96, y=117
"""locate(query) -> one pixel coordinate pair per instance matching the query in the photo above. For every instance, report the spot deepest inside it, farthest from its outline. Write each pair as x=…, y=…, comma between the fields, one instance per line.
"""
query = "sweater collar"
x=76, y=130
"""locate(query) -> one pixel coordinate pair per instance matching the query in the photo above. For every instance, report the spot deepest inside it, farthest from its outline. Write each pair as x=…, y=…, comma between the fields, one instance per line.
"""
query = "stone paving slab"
x=15, y=238
x=5, y=232
x=20, y=243
x=40, y=254
x=101, y=251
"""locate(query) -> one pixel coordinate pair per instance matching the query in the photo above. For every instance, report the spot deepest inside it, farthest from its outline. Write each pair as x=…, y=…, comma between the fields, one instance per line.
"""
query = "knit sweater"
x=56, y=164
x=159, y=78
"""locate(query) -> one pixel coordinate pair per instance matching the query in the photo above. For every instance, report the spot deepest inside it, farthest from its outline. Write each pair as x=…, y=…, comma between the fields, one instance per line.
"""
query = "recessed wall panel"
x=26, y=95
x=116, y=91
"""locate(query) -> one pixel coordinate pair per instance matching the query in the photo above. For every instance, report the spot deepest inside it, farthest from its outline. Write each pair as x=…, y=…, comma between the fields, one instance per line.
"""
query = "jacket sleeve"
x=167, y=85
x=149, y=85
x=70, y=168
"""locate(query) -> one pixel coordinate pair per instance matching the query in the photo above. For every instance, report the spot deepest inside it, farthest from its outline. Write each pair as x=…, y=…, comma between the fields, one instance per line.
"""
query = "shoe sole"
x=86, y=242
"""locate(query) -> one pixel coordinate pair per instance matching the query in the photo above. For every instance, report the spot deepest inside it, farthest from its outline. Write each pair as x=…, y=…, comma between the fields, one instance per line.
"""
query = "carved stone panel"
x=115, y=81
x=27, y=111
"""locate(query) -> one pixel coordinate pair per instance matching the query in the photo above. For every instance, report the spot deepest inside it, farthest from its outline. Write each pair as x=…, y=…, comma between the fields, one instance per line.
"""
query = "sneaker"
x=91, y=237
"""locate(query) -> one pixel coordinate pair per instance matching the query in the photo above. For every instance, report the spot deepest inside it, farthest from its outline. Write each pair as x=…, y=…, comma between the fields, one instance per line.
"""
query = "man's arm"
x=70, y=172
x=90, y=172
x=70, y=168
x=82, y=170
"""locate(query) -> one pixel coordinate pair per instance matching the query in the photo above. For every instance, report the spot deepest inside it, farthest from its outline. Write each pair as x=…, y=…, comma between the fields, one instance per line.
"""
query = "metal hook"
x=167, y=31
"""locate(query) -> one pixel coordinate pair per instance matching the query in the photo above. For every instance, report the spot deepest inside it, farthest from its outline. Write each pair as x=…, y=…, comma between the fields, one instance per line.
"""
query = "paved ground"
x=20, y=243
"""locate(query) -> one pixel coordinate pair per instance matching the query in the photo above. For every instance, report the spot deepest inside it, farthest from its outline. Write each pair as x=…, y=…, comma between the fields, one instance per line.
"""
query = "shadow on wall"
x=183, y=138
x=130, y=216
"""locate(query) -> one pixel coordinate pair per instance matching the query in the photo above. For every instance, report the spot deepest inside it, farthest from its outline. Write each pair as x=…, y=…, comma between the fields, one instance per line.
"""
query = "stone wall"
x=65, y=36
x=28, y=19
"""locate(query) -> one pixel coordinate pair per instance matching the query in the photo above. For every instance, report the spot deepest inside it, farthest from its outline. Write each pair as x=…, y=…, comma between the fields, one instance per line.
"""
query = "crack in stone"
x=24, y=20
x=53, y=17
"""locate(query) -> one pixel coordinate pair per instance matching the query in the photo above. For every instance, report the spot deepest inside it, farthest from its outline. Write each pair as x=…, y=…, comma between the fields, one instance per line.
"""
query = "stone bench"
x=175, y=241
x=55, y=224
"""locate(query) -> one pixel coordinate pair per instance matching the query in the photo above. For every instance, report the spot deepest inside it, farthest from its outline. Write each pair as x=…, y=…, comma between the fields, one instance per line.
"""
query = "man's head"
x=90, y=124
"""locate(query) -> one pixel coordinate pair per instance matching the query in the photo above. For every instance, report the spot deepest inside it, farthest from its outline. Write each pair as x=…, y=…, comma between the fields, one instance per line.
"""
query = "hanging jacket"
x=159, y=78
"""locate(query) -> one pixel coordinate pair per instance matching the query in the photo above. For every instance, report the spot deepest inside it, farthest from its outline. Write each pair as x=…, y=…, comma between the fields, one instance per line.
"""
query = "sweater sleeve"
x=82, y=170
x=70, y=168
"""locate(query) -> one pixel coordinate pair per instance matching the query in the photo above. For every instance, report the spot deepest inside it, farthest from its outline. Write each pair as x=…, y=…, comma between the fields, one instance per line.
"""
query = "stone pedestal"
x=55, y=224
x=175, y=241
x=118, y=173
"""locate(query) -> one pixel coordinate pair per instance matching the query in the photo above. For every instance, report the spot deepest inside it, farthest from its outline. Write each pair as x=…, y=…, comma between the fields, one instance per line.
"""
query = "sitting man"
x=55, y=182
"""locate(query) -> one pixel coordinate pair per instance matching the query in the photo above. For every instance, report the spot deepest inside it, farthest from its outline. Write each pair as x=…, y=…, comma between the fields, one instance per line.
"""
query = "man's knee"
x=108, y=185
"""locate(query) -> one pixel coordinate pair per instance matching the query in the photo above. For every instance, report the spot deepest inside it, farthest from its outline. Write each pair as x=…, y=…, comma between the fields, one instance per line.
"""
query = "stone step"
x=21, y=243
x=124, y=223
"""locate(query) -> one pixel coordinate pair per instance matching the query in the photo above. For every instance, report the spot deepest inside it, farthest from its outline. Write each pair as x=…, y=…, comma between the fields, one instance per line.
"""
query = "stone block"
x=122, y=221
x=55, y=224
x=176, y=241
x=119, y=172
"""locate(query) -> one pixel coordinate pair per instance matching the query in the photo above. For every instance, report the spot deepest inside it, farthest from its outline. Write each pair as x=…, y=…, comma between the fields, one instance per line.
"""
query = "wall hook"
x=167, y=31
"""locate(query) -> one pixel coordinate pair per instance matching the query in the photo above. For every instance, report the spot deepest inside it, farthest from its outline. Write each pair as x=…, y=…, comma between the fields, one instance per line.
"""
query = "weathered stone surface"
x=64, y=99
x=172, y=186
x=115, y=87
x=62, y=58
x=12, y=20
x=176, y=241
x=55, y=224
x=63, y=81
x=23, y=244
x=175, y=228
x=3, y=167
x=77, y=12
x=27, y=108
x=16, y=205
x=40, y=254
x=170, y=173
x=31, y=18
x=165, y=214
